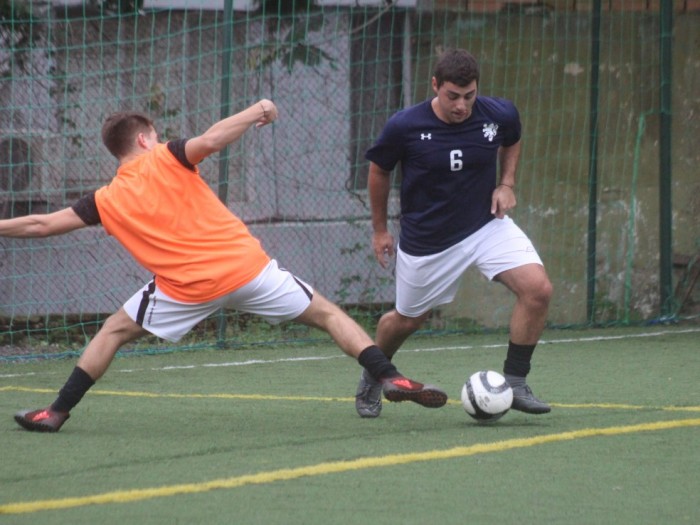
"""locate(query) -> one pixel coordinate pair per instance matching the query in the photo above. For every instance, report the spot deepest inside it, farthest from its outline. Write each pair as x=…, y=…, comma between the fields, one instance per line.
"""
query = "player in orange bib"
x=202, y=256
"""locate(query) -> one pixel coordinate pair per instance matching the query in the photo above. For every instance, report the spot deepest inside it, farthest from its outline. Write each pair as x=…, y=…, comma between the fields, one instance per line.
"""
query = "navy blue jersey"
x=449, y=170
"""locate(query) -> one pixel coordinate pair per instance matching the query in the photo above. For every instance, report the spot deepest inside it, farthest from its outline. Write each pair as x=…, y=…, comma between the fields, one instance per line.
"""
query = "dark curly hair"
x=457, y=66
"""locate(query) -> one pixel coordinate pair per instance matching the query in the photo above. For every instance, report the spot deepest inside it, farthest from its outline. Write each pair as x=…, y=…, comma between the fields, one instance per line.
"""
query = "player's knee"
x=322, y=313
x=121, y=326
x=410, y=324
x=540, y=293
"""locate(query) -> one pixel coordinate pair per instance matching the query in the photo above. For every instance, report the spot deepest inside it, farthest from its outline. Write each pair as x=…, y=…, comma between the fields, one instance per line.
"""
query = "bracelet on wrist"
x=507, y=185
x=264, y=110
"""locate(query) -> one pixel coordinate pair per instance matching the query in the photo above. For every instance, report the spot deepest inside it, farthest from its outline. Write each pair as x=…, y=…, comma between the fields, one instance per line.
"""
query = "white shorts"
x=275, y=294
x=424, y=282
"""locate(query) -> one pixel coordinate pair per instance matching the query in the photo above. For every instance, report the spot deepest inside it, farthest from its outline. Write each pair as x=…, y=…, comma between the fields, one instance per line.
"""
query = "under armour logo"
x=424, y=136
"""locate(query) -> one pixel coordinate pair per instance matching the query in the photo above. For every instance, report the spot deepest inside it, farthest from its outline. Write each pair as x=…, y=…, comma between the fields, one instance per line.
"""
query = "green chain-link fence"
x=587, y=76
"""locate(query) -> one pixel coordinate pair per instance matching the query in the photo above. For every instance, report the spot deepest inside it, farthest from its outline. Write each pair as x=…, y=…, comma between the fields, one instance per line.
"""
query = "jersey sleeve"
x=177, y=148
x=514, y=127
x=86, y=209
x=387, y=151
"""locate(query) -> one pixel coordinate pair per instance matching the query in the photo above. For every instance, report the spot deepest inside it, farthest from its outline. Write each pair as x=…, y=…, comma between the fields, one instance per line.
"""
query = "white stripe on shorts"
x=275, y=295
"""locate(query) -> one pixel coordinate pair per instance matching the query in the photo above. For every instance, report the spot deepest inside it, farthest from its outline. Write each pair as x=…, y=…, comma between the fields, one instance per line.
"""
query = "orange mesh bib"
x=174, y=225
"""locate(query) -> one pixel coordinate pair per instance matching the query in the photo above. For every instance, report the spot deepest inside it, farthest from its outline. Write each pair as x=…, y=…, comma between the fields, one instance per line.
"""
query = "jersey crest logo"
x=490, y=131
x=426, y=136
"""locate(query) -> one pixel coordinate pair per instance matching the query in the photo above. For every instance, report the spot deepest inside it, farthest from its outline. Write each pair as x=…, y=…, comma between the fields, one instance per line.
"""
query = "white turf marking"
x=238, y=363
x=433, y=349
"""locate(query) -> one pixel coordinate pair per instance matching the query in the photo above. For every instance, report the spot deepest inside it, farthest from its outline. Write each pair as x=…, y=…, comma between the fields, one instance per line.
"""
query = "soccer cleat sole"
x=429, y=396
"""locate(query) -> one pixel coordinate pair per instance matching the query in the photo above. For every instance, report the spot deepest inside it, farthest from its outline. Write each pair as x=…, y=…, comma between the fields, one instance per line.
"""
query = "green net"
x=337, y=70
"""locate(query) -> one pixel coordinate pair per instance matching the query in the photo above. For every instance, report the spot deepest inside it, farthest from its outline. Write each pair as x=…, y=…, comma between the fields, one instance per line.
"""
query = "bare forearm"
x=41, y=225
x=24, y=227
x=232, y=128
x=379, y=185
x=503, y=197
x=508, y=160
x=229, y=130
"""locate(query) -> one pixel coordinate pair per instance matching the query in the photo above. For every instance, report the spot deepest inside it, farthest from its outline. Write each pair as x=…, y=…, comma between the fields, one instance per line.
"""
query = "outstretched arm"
x=229, y=130
x=41, y=225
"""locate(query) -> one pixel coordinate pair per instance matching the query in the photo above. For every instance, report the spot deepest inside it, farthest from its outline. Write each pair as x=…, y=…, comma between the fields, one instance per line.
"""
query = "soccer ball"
x=486, y=396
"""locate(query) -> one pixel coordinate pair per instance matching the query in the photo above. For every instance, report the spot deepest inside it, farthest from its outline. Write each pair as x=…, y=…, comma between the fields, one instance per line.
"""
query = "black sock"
x=518, y=359
x=377, y=363
x=73, y=391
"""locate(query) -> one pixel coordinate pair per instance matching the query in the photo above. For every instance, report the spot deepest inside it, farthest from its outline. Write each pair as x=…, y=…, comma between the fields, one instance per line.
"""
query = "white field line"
x=248, y=362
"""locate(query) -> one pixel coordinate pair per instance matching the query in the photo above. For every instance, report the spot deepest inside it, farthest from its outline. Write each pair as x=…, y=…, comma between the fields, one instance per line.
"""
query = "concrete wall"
x=289, y=181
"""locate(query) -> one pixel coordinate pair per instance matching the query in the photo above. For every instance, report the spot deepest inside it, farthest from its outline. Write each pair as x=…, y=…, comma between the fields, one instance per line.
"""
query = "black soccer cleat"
x=368, y=398
x=401, y=388
x=525, y=401
x=41, y=420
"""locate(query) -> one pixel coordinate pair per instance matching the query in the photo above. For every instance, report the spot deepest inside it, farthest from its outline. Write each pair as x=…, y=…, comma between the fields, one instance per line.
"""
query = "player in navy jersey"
x=458, y=154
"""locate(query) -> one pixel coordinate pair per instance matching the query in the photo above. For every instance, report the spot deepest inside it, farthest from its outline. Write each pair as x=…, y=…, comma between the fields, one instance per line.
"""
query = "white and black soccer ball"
x=486, y=396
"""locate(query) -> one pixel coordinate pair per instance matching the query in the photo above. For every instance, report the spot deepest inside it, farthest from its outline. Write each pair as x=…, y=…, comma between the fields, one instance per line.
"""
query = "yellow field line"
x=153, y=395
x=126, y=496
x=623, y=406
x=261, y=397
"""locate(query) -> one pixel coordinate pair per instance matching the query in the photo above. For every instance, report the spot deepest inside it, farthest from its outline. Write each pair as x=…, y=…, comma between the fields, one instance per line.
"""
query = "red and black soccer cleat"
x=403, y=389
x=41, y=420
